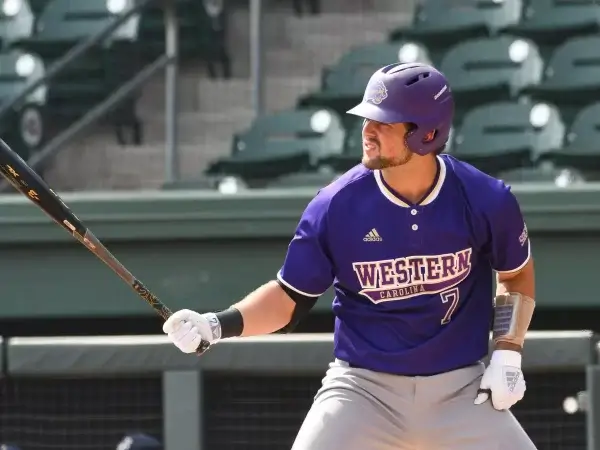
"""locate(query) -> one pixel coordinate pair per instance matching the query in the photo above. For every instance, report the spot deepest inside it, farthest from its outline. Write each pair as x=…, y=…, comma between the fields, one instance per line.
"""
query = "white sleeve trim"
x=280, y=278
x=522, y=265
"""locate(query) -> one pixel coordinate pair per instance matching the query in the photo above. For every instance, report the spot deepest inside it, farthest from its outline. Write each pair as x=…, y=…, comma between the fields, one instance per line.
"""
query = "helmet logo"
x=376, y=93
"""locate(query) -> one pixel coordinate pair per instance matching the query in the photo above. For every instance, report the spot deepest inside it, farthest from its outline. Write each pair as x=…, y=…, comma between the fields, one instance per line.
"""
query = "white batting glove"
x=187, y=329
x=504, y=378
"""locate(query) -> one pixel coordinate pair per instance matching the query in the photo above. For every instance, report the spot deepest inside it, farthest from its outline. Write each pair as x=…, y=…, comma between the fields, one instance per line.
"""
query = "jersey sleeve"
x=510, y=246
x=307, y=268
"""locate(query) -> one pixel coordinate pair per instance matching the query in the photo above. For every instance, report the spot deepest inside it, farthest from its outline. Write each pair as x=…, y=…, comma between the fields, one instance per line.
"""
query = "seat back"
x=67, y=22
x=574, y=68
x=551, y=22
x=354, y=69
x=491, y=69
x=17, y=25
x=506, y=135
x=445, y=17
x=318, y=132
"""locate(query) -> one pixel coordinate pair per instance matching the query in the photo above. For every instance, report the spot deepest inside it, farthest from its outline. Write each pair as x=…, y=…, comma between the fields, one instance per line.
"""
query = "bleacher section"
x=524, y=74
x=525, y=95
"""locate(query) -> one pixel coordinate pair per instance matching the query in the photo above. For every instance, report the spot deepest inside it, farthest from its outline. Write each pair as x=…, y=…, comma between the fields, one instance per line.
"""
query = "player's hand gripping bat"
x=30, y=184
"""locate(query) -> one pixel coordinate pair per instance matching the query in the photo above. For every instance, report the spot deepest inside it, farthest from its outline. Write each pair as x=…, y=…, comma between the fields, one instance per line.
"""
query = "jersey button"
x=415, y=227
x=413, y=212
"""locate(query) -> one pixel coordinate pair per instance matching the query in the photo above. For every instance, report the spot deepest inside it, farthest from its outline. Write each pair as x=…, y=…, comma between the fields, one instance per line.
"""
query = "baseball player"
x=410, y=240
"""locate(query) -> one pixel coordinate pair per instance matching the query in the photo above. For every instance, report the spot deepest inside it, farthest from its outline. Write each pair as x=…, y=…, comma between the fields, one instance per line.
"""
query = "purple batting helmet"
x=411, y=93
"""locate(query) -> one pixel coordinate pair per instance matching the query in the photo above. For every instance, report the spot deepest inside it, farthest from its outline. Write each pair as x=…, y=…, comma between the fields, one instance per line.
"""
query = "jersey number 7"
x=450, y=299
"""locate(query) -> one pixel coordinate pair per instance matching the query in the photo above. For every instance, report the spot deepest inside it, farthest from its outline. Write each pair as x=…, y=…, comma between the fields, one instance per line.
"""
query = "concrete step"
x=297, y=62
x=195, y=128
x=79, y=165
x=125, y=170
x=153, y=95
x=280, y=93
x=96, y=165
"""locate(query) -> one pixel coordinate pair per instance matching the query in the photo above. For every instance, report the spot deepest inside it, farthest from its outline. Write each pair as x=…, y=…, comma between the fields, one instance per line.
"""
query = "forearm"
x=522, y=283
x=266, y=310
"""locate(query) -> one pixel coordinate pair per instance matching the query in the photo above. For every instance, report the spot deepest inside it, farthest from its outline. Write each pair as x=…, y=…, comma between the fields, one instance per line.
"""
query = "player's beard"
x=379, y=162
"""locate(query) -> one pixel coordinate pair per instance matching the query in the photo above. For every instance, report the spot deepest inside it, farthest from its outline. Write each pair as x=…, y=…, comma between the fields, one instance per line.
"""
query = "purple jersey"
x=413, y=282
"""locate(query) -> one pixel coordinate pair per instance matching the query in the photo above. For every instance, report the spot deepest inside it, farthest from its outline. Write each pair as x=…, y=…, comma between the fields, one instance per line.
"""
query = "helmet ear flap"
x=415, y=140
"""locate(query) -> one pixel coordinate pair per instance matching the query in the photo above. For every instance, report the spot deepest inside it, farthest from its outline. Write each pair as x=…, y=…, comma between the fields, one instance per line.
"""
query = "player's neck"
x=414, y=179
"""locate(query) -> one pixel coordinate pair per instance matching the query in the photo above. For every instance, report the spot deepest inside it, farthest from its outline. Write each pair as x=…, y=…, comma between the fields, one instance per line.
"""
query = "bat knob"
x=204, y=345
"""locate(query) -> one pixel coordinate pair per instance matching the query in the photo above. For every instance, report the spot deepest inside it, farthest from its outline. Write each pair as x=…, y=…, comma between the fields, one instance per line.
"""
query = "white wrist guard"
x=506, y=358
x=512, y=316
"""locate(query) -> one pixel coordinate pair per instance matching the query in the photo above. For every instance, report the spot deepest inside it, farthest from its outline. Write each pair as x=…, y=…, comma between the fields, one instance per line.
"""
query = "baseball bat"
x=25, y=180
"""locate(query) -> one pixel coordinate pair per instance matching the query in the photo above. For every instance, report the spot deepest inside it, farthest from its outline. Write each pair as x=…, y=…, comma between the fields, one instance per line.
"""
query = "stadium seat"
x=551, y=22
x=440, y=24
x=486, y=70
x=17, y=21
x=94, y=76
x=24, y=127
x=282, y=143
x=343, y=84
x=502, y=136
x=572, y=76
x=202, y=33
x=581, y=149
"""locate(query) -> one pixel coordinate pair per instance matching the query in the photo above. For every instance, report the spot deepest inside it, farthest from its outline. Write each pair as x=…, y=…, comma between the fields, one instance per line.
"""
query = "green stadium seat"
x=317, y=179
x=202, y=33
x=502, y=136
x=282, y=143
x=543, y=174
x=93, y=77
x=440, y=24
x=343, y=84
x=24, y=127
x=17, y=21
x=572, y=76
x=486, y=70
x=552, y=22
x=581, y=149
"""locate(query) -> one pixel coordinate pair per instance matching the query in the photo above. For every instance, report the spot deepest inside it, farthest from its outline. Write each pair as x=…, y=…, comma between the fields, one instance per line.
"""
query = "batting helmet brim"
x=372, y=112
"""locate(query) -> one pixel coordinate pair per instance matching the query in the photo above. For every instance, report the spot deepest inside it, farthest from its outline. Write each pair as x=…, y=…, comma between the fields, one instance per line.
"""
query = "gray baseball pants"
x=357, y=409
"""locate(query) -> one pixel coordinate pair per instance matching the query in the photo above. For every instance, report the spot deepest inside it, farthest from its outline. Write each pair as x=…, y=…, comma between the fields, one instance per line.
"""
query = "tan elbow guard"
x=512, y=316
